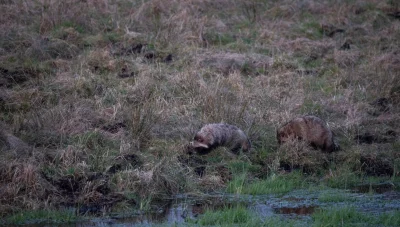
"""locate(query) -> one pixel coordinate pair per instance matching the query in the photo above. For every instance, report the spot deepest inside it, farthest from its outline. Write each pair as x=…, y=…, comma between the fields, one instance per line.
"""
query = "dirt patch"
x=122, y=162
x=68, y=185
x=10, y=77
x=375, y=164
x=193, y=161
x=381, y=129
x=369, y=138
x=89, y=194
x=101, y=60
x=102, y=205
x=114, y=128
x=330, y=29
x=134, y=48
x=380, y=106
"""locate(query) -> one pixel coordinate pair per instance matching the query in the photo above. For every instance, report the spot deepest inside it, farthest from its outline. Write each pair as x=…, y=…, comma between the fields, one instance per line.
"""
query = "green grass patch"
x=280, y=222
x=311, y=29
x=335, y=197
x=70, y=24
x=112, y=37
x=238, y=167
x=236, y=185
x=229, y=216
x=311, y=107
x=219, y=39
x=217, y=156
x=348, y=216
x=390, y=219
x=93, y=140
x=346, y=180
x=320, y=84
x=94, y=40
x=59, y=30
x=41, y=216
x=311, y=63
x=272, y=185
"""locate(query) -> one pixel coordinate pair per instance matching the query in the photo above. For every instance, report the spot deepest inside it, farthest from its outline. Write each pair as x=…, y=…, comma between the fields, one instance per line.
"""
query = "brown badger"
x=212, y=136
x=311, y=129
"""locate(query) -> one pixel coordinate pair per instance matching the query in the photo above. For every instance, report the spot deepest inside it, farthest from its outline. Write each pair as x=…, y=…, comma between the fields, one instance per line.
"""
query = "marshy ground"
x=99, y=99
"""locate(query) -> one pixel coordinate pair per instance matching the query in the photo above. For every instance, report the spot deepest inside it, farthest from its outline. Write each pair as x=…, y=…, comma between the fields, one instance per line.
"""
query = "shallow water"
x=298, y=204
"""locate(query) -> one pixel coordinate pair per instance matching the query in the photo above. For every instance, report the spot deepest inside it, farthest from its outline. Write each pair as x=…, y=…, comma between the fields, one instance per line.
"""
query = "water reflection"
x=302, y=210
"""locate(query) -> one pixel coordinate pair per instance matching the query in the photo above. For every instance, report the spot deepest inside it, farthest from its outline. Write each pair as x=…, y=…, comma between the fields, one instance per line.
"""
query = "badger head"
x=281, y=136
x=201, y=145
x=200, y=142
x=285, y=134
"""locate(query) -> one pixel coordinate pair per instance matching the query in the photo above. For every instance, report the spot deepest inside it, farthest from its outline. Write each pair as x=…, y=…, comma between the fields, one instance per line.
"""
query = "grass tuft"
x=274, y=184
x=227, y=216
x=41, y=217
x=348, y=216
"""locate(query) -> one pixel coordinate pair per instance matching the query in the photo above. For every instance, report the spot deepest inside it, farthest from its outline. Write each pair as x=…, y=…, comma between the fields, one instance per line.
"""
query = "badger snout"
x=197, y=144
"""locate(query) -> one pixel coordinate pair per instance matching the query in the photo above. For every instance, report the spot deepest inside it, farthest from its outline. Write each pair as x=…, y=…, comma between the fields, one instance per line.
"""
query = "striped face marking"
x=199, y=142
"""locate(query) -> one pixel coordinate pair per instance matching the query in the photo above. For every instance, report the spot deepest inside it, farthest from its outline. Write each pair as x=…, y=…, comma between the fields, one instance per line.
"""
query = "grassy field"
x=99, y=99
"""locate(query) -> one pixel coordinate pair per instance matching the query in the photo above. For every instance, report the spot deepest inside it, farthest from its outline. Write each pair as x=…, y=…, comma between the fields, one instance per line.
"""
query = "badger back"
x=309, y=128
x=220, y=134
x=291, y=130
x=236, y=139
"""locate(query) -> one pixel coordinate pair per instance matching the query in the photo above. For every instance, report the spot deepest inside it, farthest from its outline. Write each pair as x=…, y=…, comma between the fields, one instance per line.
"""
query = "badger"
x=215, y=135
x=310, y=129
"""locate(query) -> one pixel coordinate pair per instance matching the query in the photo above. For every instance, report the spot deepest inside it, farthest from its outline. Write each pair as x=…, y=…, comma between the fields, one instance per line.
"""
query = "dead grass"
x=23, y=187
x=86, y=84
x=298, y=155
x=157, y=179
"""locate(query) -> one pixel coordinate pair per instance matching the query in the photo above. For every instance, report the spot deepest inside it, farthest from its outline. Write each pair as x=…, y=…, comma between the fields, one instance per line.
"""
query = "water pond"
x=298, y=205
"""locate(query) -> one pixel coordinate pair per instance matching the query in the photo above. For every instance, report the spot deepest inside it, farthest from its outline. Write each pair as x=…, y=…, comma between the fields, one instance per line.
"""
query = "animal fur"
x=311, y=129
x=212, y=136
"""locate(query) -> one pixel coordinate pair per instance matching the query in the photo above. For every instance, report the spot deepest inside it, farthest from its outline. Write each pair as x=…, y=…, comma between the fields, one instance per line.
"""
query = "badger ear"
x=282, y=137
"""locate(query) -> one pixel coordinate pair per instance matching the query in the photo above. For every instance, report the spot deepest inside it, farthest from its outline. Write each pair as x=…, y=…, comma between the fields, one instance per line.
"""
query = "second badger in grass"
x=310, y=129
x=212, y=136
